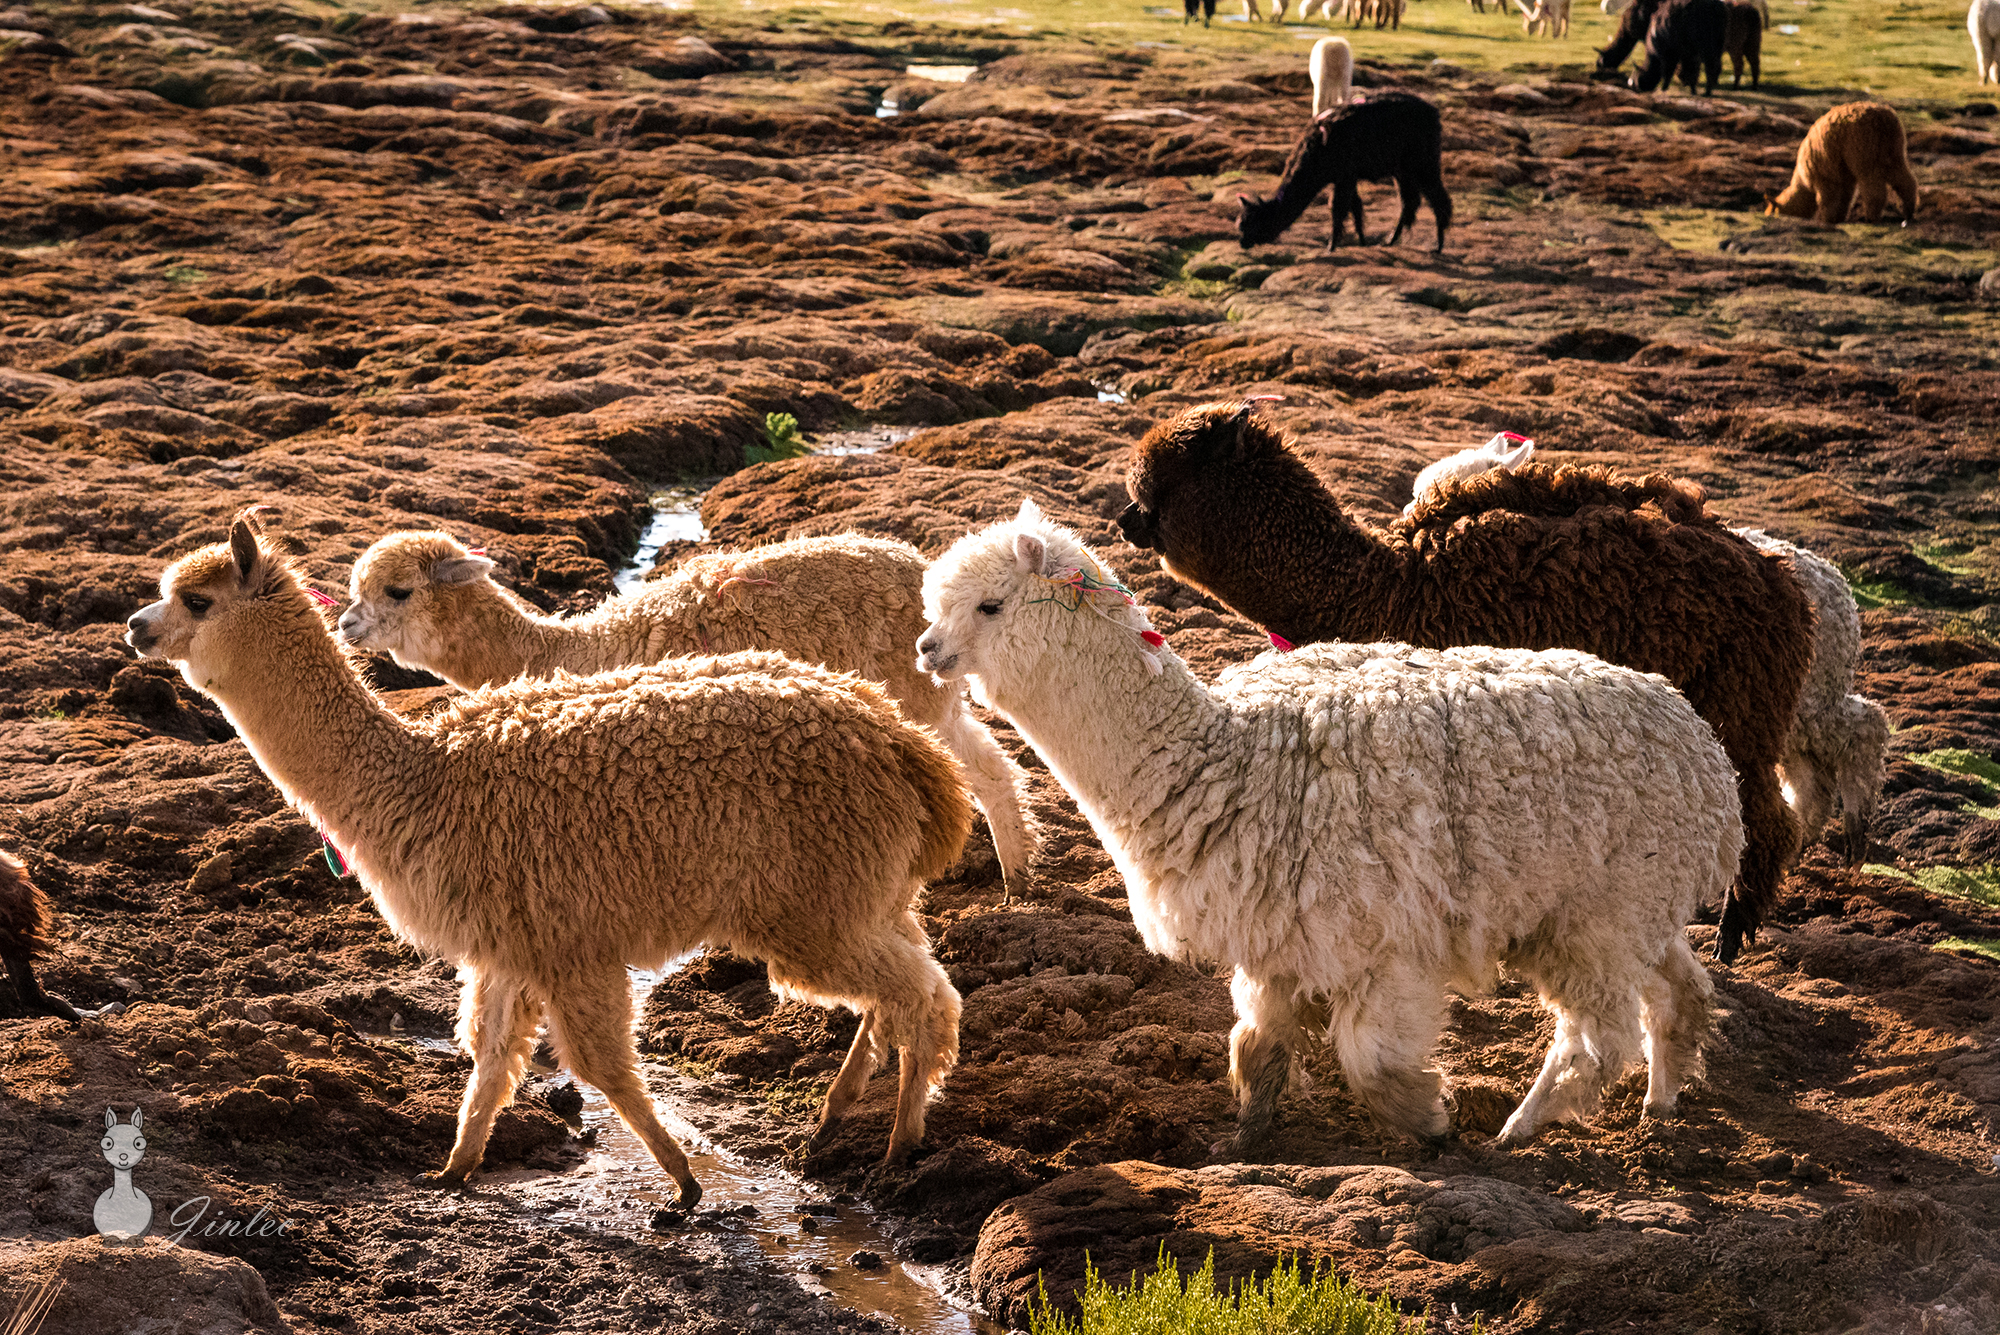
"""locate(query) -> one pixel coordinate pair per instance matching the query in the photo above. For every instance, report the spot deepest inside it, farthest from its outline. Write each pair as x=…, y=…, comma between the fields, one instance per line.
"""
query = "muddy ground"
x=507, y=271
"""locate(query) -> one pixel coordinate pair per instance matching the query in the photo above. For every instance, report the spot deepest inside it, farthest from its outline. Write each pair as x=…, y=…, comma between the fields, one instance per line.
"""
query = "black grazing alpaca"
x=1206, y=8
x=1745, y=42
x=1686, y=35
x=1390, y=136
x=1633, y=21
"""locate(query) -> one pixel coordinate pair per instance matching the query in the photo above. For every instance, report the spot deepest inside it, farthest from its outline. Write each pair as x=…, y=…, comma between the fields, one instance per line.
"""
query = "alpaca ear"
x=456, y=570
x=1030, y=551
x=258, y=516
x=1517, y=456
x=138, y=1118
x=1030, y=513
x=243, y=546
x=110, y=1118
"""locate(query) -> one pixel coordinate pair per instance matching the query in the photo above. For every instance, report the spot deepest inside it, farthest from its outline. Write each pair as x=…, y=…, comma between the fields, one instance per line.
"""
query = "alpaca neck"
x=498, y=636
x=1308, y=174
x=1283, y=588
x=121, y=1181
x=1113, y=733
x=335, y=751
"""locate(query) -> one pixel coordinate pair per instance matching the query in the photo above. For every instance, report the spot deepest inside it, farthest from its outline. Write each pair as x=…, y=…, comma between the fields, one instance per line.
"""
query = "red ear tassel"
x=1282, y=644
x=475, y=551
x=1153, y=638
x=324, y=600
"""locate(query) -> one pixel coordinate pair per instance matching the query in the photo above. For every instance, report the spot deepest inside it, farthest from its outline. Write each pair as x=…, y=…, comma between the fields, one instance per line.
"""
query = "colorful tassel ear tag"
x=324, y=600
x=1281, y=644
x=1153, y=638
x=334, y=862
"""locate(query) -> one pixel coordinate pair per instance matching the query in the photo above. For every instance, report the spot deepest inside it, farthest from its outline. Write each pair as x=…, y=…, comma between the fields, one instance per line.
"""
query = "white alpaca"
x=1982, y=21
x=1332, y=69
x=1359, y=828
x=1835, y=751
x=1552, y=16
x=851, y=602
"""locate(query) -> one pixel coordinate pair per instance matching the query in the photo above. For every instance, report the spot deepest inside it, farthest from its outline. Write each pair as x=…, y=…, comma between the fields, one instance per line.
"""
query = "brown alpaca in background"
x=1855, y=146
x=26, y=924
x=1636, y=573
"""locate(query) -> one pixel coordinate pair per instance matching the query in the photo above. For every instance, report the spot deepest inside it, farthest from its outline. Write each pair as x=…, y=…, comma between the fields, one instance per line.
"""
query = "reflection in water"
x=676, y=518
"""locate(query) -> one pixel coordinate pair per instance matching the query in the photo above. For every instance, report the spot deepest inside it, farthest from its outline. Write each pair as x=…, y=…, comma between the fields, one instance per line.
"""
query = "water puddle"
x=884, y=109
x=865, y=440
x=676, y=518
x=755, y=1211
x=1106, y=394
x=942, y=73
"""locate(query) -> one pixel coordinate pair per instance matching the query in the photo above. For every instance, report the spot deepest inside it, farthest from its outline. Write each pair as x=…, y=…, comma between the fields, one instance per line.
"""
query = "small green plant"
x=781, y=440
x=1286, y=1302
x=1979, y=884
x=186, y=273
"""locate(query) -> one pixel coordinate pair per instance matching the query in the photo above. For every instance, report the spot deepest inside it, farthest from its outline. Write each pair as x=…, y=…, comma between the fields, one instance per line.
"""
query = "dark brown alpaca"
x=1636, y=572
x=25, y=927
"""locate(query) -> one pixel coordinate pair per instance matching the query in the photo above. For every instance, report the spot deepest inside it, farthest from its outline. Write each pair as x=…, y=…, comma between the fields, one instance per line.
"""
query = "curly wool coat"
x=1634, y=572
x=853, y=603
x=546, y=834
x=1359, y=828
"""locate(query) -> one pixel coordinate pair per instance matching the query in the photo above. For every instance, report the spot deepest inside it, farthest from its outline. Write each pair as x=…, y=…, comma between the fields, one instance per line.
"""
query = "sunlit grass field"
x=1890, y=49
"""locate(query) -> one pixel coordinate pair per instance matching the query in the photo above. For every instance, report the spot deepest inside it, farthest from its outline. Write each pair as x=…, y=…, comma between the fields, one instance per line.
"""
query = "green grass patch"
x=1984, y=949
x=186, y=273
x=1971, y=765
x=1286, y=1302
x=782, y=440
x=1979, y=884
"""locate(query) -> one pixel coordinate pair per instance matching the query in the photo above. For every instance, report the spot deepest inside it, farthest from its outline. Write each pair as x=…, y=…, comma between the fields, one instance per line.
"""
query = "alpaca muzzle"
x=932, y=658
x=139, y=632
x=1140, y=528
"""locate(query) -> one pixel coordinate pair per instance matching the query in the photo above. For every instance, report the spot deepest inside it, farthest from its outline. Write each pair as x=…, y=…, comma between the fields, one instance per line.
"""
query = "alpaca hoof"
x=443, y=1179
x=689, y=1194
x=56, y=1006
x=899, y=1156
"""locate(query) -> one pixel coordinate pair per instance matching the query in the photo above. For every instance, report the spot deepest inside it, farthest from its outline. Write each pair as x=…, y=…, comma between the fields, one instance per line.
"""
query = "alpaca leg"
x=29, y=989
x=1835, y=199
x=999, y=787
x=1440, y=202
x=1771, y=844
x=1406, y=188
x=590, y=1026
x=1905, y=185
x=1711, y=65
x=1260, y=1054
x=906, y=1001
x=496, y=1028
x=1597, y=1034
x=863, y=1056
x=1874, y=197
x=1384, y=1036
x=1674, y=1008
x=1756, y=67
x=1808, y=790
x=1859, y=781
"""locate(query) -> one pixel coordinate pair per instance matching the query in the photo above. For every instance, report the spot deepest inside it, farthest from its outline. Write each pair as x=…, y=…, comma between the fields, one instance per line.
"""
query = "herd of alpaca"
x=1497, y=754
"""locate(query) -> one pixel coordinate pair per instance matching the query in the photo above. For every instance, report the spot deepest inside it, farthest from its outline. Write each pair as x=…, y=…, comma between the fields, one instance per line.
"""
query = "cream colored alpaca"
x=850, y=602
x=547, y=834
x=1982, y=23
x=1551, y=16
x=1331, y=66
x=1360, y=828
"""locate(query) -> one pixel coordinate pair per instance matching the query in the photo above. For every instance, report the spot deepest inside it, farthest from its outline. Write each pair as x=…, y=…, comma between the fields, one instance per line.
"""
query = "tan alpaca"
x=1857, y=145
x=852, y=603
x=546, y=834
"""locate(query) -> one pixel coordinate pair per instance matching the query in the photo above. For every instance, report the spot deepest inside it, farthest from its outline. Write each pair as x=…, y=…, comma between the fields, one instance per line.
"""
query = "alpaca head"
x=123, y=1144
x=1258, y=221
x=405, y=590
x=1202, y=482
x=222, y=607
x=998, y=599
x=1505, y=451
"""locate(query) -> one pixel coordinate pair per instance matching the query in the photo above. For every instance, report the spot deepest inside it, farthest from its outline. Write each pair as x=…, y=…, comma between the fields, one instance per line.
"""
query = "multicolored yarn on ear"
x=324, y=600
x=1077, y=588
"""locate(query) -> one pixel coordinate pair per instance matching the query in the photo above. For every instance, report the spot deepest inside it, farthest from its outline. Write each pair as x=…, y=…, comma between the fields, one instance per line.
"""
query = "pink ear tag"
x=1282, y=644
x=322, y=599
x=1153, y=638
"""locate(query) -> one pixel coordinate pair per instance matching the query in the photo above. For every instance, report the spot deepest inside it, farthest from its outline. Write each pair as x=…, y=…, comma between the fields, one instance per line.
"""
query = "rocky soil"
x=508, y=271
